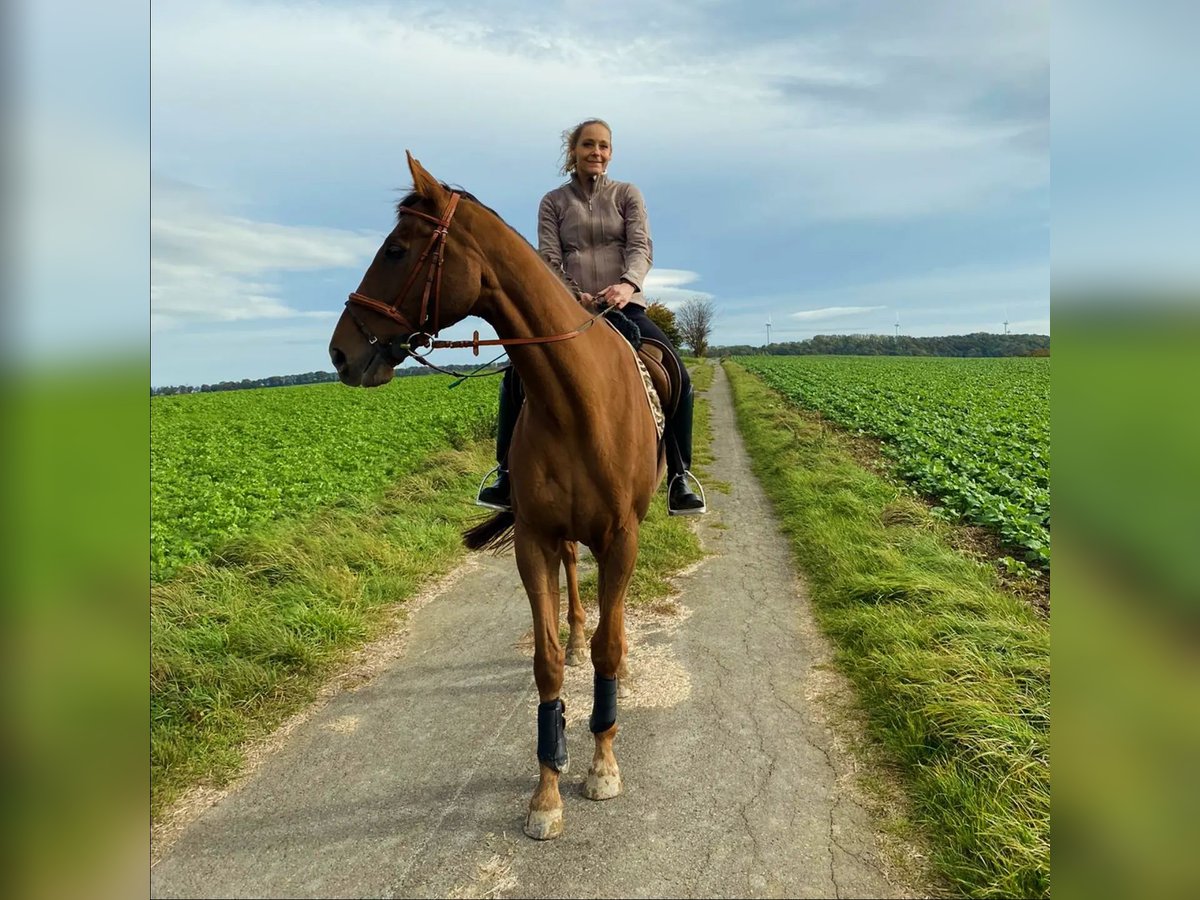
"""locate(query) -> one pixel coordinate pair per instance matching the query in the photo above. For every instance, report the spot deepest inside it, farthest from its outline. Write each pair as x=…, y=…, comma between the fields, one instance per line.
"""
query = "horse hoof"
x=624, y=690
x=602, y=787
x=544, y=824
x=576, y=656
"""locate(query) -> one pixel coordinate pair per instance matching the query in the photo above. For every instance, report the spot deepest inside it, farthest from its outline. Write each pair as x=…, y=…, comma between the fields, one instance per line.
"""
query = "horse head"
x=426, y=275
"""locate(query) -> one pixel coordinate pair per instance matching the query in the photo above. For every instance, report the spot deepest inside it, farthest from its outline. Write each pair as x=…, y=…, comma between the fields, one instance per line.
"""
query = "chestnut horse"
x=585, y=459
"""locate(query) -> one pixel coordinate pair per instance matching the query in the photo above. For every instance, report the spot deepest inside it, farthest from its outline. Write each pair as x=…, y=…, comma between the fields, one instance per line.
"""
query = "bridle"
x=422, y=338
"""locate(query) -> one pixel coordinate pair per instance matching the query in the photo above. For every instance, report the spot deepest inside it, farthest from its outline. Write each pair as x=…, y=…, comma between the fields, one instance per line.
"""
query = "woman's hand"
x=617, y=295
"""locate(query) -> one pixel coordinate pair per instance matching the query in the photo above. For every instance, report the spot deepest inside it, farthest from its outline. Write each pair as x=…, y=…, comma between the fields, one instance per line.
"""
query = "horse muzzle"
x=374, y=367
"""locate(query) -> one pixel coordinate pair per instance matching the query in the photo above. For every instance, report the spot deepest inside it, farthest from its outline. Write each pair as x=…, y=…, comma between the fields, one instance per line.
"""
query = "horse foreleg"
x=538, y=564
x=608, y=653
x=577, y=642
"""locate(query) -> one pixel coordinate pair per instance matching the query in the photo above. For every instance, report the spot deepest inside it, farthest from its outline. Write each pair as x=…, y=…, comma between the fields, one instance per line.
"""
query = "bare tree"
x=694, y=320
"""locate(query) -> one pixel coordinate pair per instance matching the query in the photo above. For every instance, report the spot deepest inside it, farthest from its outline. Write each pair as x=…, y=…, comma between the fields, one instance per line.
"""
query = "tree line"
x=286, y=381
x=978, y=344
x=692, y=327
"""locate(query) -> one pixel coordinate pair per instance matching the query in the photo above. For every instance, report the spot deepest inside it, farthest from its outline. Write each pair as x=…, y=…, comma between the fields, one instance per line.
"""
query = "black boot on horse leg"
x=604, y=778
x=681, y=501
x=609, y=649
x=498, y=494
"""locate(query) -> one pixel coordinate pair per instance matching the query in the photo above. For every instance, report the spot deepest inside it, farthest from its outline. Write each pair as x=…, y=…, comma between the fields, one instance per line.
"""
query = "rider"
x=594, y=232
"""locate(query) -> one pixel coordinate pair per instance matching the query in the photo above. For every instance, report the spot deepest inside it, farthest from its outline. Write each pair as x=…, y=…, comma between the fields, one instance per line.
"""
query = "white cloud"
x=347, y=80
x=206, y=266
x=833, y=312
x=772, y=126
x=669, y=287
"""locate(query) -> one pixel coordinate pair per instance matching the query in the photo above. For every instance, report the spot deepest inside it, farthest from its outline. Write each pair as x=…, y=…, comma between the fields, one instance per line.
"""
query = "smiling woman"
x=594, y=233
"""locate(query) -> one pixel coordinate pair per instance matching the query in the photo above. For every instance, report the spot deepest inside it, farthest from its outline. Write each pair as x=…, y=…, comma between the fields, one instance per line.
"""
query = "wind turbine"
x=768, y=332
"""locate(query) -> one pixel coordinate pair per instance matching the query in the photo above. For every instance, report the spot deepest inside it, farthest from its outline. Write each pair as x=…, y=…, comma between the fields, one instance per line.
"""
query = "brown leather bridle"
x=423, y=336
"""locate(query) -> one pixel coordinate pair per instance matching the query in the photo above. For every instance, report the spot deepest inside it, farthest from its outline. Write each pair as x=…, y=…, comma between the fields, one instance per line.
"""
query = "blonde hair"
x=570, y=138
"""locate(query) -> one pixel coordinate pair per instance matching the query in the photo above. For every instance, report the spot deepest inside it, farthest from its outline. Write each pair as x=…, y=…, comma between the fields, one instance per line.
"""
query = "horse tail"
x=495, y=534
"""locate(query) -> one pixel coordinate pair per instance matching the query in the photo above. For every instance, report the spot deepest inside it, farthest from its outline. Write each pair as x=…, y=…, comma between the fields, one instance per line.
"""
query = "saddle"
x=664, y=373
x=657, y=359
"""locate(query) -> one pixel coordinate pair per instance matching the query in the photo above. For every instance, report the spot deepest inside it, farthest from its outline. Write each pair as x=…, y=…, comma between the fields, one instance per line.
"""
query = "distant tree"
x=695, y=321
x=980, y=344
x=660, y=314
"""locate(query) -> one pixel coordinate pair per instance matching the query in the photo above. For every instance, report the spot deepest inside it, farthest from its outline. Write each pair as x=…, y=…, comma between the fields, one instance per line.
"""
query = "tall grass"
x=953, y=673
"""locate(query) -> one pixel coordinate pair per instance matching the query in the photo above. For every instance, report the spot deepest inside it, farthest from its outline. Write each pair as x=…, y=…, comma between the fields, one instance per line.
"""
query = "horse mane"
x=413, y=198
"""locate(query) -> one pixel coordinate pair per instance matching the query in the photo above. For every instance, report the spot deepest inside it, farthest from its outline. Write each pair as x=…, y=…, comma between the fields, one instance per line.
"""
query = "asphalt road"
x=416, y=784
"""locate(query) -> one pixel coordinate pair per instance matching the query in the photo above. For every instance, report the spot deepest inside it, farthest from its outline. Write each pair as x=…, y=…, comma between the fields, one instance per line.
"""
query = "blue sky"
x=834, y=166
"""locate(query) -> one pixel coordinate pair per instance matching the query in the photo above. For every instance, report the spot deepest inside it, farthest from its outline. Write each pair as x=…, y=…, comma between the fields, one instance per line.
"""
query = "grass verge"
x=952, y=671
x=242, y=641
x=247, y=638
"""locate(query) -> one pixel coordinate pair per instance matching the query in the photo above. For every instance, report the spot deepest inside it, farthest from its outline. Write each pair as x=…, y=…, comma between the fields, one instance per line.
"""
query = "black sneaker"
x=680, y=499
x=497, y=495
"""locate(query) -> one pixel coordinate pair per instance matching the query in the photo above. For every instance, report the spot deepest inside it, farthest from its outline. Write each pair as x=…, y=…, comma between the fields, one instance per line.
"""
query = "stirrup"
x=484, y=484
x=703, y=508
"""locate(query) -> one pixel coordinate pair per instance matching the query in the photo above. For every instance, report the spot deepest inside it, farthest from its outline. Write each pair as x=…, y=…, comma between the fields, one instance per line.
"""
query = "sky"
x=835, y=167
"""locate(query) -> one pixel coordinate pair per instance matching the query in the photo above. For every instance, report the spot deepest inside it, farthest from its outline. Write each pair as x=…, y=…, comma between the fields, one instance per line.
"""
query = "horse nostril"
x=338, y=357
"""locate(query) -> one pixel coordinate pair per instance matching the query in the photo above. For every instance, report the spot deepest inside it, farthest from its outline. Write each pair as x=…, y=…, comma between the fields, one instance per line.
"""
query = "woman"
x=595, y=234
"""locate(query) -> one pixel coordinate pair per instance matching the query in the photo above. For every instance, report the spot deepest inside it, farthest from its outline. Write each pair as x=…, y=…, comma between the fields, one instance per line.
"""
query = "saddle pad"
x=656, y=410
x=651, y=395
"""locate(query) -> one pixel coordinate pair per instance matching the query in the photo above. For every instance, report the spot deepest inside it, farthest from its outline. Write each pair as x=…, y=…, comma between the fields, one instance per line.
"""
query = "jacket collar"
x=597, y=187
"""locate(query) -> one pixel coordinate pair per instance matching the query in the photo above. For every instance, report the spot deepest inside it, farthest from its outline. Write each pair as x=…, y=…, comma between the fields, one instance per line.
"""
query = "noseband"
x=422, y=337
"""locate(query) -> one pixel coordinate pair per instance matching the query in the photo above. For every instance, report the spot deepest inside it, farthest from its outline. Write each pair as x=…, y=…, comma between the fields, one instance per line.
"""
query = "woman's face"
x=593, y=150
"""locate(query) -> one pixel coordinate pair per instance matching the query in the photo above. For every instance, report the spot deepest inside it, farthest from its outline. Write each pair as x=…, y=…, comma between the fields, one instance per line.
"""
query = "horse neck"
x=527, y=300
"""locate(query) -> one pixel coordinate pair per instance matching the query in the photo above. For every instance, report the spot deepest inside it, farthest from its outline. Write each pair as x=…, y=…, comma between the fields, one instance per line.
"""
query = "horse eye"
x=394, y=252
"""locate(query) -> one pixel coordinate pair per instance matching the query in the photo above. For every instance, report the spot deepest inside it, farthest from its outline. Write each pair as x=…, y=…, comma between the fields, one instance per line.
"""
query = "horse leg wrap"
x=604, y=704
x=552, y=735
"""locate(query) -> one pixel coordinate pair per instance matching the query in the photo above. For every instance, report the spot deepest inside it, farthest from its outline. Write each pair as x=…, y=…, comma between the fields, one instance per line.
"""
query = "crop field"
x=223, y=464
x=972, y=433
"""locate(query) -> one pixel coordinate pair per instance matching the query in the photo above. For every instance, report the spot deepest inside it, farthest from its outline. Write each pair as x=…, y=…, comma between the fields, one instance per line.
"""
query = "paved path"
x=416, y=784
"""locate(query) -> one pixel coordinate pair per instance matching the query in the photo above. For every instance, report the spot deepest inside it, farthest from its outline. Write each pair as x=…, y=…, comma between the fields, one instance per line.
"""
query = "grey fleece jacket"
x=598, y=240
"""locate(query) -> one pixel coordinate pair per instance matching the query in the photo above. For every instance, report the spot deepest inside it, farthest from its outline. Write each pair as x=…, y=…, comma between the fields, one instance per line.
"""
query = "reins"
x=422, y=339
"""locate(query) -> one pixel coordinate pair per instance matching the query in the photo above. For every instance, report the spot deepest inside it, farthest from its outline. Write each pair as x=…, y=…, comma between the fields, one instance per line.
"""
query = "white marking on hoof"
x=602, y=787
x=544, y=824
x=624, y=688
x=576, y=656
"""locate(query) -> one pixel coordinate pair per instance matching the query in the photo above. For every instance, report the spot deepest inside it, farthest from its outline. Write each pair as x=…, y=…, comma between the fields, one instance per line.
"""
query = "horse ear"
x=423, y=183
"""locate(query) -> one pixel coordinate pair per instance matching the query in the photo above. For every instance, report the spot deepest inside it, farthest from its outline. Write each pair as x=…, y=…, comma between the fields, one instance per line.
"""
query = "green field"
x=974, y=434
x=225, y=464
